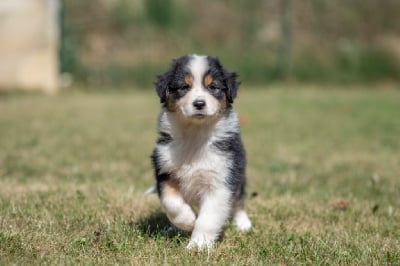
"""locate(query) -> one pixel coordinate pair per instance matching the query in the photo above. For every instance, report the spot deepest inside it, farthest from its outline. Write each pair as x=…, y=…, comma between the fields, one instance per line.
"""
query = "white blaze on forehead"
x=198, y=66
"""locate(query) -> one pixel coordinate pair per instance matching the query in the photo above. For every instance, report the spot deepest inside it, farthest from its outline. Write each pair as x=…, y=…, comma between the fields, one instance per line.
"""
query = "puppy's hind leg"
x=240, y=218
x=178, y=211
x=242, y=221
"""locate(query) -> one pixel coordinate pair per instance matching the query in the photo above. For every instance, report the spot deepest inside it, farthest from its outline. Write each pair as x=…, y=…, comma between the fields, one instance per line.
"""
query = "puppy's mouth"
x=199, y=116
x=196, y=114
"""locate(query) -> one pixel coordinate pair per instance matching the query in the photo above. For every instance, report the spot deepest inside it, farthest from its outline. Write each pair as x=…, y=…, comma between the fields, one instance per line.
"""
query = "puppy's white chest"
x=200, y=175
x=188, y=158
x=197, y=170
x=190, y=164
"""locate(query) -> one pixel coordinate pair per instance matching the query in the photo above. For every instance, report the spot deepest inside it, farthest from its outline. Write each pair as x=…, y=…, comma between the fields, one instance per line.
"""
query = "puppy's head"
x=197, y=87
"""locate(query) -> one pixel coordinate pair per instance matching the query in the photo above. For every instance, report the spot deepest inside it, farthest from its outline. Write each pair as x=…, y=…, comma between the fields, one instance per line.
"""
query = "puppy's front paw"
x=201, y=242
x=184, y=220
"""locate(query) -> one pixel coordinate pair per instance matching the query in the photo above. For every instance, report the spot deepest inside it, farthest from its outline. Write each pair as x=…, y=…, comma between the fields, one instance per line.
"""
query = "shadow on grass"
x=157, y=225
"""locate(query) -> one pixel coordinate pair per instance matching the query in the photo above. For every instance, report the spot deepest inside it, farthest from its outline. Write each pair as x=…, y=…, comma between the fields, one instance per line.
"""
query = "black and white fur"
x=199, y=159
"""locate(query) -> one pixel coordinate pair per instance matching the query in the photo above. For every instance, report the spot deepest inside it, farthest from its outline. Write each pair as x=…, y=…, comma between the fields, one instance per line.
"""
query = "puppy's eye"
x=212, y=87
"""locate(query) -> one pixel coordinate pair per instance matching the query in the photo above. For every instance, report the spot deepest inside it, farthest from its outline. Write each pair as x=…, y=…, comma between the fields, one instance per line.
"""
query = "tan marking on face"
x=189, y=80
x=208, y=79
x=171, y=104
x=223, y=104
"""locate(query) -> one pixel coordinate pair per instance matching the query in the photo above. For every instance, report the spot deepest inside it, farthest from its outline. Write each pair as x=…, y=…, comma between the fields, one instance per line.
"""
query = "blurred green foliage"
x=123, y=14
x=69, y=46
x=160, y=12
x=123, y=76
x=127, y=42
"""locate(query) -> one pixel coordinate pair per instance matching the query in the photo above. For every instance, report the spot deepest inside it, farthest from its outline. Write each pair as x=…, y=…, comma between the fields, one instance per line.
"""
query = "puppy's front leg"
x=214, y=211
x=178, y=211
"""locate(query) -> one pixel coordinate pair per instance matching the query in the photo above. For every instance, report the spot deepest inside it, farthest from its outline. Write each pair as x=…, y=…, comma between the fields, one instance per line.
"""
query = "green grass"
x=323, y=180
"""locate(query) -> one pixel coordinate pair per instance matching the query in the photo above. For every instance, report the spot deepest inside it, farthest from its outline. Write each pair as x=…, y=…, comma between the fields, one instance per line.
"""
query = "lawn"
x=323, y=180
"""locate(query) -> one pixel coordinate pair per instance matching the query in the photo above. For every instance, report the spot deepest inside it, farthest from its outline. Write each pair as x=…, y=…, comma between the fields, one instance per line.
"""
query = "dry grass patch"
x=323, y=180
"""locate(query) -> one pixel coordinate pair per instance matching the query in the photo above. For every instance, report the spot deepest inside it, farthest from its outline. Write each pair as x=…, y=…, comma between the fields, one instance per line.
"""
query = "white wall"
x=29, y=44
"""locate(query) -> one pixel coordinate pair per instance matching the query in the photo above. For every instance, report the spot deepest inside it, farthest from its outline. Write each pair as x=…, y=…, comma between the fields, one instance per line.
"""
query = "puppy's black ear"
x=162, y=83
x=232, y=85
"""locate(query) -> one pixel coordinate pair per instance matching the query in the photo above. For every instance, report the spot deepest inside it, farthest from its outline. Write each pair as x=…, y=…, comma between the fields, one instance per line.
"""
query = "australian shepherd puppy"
x=199, y=159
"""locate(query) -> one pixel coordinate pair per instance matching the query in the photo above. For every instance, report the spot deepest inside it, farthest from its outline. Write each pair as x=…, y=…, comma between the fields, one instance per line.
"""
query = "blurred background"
x=51, y=44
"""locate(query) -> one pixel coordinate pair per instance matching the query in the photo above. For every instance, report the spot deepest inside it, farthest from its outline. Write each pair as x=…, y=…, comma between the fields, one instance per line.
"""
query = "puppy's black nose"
x=199, y=104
